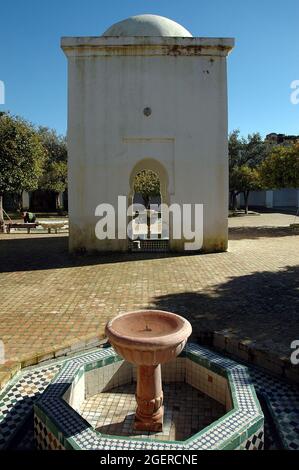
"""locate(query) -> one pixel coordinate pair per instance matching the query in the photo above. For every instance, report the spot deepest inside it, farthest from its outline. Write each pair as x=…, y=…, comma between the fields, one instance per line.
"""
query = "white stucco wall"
x=183, y=81
x=285, y=197
x=288, y=197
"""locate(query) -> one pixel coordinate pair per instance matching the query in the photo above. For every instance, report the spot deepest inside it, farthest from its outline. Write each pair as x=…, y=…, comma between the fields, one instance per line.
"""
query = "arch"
x=157, y=167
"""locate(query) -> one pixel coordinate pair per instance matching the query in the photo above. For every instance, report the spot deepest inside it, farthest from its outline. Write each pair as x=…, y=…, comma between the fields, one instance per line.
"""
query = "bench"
x=28, y=226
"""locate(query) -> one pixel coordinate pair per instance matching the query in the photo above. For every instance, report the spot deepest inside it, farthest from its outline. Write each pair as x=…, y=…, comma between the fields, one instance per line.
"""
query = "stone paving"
x=263, y=220
x=50, y=298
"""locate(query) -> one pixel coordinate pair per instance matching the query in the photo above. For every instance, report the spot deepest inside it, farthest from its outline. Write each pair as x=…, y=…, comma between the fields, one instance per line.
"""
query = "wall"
x=287, y=197
x=108, y=133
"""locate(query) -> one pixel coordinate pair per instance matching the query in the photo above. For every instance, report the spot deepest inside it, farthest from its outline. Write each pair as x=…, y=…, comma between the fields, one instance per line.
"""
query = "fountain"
x=90, y=402
x=148, y=338
x=64, y=417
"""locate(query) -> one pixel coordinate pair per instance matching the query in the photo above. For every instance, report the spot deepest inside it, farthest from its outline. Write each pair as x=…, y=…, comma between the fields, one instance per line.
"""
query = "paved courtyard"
x=50, y=298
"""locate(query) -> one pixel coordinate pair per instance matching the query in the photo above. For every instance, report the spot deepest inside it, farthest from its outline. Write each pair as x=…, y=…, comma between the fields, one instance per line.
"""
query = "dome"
x=147, y=25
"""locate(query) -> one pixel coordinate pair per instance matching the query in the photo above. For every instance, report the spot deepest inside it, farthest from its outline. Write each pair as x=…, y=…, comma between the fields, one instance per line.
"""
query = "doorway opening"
x=148, y=233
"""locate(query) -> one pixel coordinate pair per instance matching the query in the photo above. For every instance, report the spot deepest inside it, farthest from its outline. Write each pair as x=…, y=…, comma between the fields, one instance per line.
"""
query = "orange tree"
x=21, y=157
x=148, y=185
x=245, y=157
x=281, y=168
x=54, y=176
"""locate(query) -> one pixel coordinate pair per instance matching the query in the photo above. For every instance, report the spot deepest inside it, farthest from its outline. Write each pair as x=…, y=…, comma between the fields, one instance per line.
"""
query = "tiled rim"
x=9, y=369
x=228, y=432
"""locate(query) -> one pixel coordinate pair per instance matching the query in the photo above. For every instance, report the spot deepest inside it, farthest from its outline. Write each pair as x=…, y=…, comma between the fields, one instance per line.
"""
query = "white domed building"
x=147, y=25
x=147, y=95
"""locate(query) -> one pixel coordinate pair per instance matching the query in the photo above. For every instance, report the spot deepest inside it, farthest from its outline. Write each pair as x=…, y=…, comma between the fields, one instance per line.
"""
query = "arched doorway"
x=148, y=190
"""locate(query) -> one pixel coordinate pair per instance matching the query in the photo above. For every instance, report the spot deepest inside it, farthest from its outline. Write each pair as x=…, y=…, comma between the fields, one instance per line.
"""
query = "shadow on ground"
x=51, y=252
x=263, y=307
x=291, y=210
x=239, y=233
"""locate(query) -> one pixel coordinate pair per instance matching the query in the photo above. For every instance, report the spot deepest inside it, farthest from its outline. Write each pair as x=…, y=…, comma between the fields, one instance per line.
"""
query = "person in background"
x=29, y=217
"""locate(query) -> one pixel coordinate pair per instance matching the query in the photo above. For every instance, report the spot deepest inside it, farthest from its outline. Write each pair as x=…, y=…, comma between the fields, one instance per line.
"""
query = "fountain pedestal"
x=149, y=397
x=148, y=338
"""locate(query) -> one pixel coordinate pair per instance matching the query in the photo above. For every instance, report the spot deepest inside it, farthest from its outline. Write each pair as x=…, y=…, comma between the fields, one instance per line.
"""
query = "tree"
x=245, y=157
x=235, y=147
x=54, y=177
x=147, y=183
x=281, y=168
x=21, y=157
x=246, y=179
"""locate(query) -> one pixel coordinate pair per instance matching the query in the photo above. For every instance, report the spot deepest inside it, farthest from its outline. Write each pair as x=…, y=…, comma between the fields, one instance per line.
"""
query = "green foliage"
x=235, y=146
x=255, y=150
x=54, y=177
x=248, y=152
x=21, y=155
x=245, y=157
x=54, y=144
x=245, y=178
x=281, y=168
x=147, y=183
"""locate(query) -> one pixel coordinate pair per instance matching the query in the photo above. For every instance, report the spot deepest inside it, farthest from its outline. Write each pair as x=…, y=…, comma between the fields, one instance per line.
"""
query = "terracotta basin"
x=148, y=337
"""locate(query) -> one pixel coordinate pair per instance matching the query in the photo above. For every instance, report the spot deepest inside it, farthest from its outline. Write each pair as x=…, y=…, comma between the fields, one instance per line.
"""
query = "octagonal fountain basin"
x=210, y=403
x=148, y=338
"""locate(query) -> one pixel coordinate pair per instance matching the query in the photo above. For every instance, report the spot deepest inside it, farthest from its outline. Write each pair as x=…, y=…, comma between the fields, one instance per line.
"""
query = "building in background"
x=146, y=95
x=281, y=139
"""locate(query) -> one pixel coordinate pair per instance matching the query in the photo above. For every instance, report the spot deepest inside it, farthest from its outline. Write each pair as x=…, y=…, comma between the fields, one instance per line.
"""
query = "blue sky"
x=260, y=69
